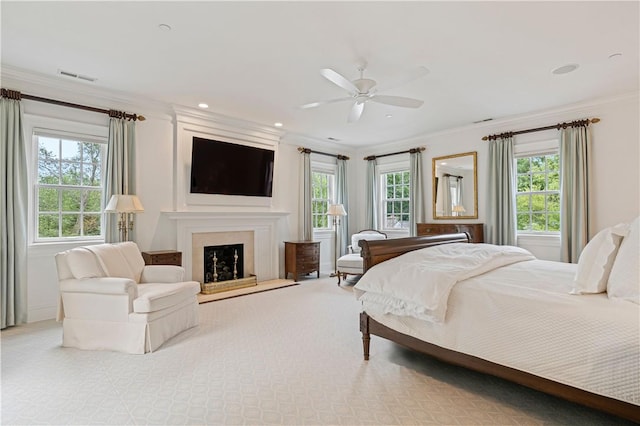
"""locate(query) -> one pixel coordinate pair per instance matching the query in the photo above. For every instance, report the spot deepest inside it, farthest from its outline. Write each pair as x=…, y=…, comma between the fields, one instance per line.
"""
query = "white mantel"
x=265, y=226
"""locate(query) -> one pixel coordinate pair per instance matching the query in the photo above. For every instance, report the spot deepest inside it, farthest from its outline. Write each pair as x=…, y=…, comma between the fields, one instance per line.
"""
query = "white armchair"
x=352, y=263
x=111, y=300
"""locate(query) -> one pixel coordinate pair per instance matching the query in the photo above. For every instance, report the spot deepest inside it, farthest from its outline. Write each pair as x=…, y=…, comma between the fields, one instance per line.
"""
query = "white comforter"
x=428, y=275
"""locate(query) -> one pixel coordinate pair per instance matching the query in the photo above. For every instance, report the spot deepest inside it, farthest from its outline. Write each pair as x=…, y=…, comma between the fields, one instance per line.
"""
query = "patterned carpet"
x=289, y=356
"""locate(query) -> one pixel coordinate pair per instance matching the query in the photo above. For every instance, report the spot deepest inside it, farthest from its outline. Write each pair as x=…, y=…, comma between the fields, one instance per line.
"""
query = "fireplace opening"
x=223, y=262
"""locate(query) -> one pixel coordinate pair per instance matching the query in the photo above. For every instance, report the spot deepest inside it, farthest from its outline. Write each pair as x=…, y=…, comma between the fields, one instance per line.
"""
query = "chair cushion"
x=134, y=258
x=83, y=264
x=154, y=297
x=369, y=236
x=350, y=261
x=112, y=260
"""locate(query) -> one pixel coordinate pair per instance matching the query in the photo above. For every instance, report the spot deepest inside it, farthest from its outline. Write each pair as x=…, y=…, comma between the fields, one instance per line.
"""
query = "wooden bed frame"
x=378, y=251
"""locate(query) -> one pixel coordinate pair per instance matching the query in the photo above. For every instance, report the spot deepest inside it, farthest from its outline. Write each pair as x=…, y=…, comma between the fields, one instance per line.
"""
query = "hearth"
x=223, y=262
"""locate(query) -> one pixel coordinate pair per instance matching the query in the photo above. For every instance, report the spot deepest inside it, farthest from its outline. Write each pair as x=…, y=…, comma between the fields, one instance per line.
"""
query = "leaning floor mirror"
x=455, y=186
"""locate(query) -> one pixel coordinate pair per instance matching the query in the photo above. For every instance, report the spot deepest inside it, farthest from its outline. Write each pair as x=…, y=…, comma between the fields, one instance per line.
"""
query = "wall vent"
x=76, y=76
x=482, y=121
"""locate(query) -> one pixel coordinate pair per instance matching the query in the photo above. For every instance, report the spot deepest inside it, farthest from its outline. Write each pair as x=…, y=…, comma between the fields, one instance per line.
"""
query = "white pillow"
x=596, y=260
x=624, y=281
x=83, y=264
x=369, y=236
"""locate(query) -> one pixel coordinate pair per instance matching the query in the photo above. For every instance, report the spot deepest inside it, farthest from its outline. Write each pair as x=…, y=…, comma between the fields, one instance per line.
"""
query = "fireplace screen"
x=223, y=263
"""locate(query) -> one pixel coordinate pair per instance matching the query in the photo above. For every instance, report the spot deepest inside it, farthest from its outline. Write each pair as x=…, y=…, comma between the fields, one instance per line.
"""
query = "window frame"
x=383, y=170
x=536, y=149
x=330, y=170
x=38, y=126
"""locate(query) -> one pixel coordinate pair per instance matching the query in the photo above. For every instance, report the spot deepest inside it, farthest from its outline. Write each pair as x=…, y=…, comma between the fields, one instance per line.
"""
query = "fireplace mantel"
x=265, y=226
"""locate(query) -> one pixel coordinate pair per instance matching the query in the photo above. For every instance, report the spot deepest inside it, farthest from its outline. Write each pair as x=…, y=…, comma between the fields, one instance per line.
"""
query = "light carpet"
x=291, y=356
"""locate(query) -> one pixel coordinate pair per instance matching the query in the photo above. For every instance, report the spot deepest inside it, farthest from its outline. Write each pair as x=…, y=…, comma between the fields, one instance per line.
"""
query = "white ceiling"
x=259, y=61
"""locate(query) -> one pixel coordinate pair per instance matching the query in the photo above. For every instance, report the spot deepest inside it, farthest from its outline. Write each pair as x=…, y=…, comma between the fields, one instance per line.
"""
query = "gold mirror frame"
x=459, y=172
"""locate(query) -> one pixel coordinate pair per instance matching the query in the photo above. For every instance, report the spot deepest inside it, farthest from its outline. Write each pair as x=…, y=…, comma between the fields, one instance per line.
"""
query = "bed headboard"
x=376, y=251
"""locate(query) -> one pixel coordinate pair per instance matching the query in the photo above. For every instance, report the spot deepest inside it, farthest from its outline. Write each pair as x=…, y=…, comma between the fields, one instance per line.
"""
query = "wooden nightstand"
x=301, y=257
x=162, y=257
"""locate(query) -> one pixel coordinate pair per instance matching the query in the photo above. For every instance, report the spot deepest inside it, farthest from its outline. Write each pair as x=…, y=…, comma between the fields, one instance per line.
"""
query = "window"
x=395, y=199
x=323, y=189
x=538, y=193
x=68, y=186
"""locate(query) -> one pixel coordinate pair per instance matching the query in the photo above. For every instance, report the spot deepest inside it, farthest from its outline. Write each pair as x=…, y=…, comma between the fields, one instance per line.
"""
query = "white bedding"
x=522, y=316
x=428, y=275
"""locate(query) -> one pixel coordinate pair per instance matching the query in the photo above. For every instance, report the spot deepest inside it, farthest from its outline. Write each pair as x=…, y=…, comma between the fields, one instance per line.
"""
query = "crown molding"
x=44, y=85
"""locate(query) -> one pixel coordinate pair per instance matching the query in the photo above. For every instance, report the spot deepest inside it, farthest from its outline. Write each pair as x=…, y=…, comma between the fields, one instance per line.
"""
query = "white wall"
x=614, y=184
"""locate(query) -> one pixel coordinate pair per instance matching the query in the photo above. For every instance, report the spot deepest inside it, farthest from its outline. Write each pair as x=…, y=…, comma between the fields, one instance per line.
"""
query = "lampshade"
x=458, y=209
x=336, y=210
x=120, y=203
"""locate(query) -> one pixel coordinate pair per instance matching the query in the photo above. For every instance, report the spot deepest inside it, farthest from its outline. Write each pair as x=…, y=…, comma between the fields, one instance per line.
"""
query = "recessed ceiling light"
x=203, y=105
x=164, y=27
x=277, y=124
x=444, y=163
x=565, y=69
x=388, y=115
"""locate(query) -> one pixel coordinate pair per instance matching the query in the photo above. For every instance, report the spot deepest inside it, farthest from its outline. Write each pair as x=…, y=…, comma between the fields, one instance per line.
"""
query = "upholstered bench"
x=111, y=300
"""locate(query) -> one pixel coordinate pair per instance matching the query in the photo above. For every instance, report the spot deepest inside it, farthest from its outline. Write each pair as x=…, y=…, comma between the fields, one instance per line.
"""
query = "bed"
x=515, y=319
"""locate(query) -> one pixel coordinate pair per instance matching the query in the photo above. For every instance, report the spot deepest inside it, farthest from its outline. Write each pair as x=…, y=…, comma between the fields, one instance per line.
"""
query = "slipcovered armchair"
x=111, y=300
x=352, y=263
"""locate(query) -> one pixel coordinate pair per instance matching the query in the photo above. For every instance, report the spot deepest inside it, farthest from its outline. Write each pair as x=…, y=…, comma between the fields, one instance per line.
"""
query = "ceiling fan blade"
x=330, y=101
x=356, y=112
x=339, y=80
x=404, y=78
x=399, y=101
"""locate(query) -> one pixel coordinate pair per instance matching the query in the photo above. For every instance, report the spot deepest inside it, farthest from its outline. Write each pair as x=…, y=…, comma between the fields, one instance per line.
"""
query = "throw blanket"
x=418, y=283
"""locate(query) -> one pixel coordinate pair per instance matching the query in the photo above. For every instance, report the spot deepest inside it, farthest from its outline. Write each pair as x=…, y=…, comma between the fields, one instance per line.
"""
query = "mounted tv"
x=230, y=169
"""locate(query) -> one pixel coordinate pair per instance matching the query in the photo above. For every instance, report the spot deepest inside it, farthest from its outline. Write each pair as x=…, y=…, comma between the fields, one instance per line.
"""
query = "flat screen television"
x=230, y=169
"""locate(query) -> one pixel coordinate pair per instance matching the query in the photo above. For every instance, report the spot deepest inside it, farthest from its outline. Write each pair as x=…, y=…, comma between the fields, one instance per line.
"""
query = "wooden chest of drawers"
x=475, y=230
x=301, y=257
x=162, y=257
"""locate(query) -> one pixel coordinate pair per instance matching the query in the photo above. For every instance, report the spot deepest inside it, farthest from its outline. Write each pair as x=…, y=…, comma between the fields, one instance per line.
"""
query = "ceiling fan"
x=363, y=90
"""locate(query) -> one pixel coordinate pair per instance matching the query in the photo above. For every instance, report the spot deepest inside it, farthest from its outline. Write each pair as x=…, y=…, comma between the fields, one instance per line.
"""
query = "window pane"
x=537, y=164
x=71, y=150
x=524, y=183
x=47, y=225
x=92, y=201
x=48, y=172
x=538, y=182
x=553, y=203
x=71, y=200
x=48, y=200
x=48, y=148
x=70, y=173
x=70, y=225
x=553, y=163
x=92, y=225
x=523, y=222
x=523, y=203
x=553, y=222
x=91, y=174
x=537, y=202
x=539, y=222
x=553, y=182
x=523, y=165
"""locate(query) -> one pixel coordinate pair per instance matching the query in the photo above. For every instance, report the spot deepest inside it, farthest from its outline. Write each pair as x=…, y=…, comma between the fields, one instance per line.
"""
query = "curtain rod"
x=410, y=151
x=455, y=176
x=16, y=95
x=310, y=151
x=576, y=123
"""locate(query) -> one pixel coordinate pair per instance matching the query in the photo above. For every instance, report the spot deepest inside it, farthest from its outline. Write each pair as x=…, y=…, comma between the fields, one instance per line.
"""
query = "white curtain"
x=120, y=170
x=342, y=198
x=574, y=191
x=446, y=195
x=501, y=203
x=13, y=212
x=306, y=222
x=371, y=195
x=416, y=200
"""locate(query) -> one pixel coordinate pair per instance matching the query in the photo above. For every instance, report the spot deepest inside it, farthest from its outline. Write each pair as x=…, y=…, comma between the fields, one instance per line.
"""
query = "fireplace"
x=223, y=262
x=261, y=234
